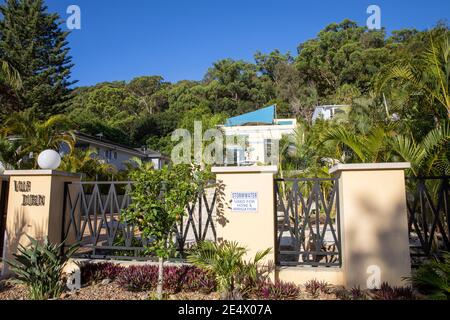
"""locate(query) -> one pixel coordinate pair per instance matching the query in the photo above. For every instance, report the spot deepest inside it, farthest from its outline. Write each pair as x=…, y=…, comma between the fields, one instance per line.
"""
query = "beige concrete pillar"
x=374, y=223
x=35, y=207
x=246, y=207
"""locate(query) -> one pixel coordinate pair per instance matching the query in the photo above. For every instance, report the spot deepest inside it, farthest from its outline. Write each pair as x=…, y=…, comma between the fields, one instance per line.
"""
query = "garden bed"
x=109, y=291
x=109, y=281
x=113, y=291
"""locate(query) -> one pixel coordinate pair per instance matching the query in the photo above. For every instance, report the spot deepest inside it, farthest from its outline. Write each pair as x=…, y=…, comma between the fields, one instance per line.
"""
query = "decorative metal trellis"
x=308, y=231
x=428, y=202
x=92, y=217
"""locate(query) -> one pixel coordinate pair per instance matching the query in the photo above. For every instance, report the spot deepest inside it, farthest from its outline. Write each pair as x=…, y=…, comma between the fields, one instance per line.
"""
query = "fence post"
x=245, y=208
x=374, y=223
x=35, y=208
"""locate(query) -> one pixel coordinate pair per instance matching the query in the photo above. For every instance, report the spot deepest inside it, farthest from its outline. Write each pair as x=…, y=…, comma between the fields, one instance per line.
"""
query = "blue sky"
x=179, y=40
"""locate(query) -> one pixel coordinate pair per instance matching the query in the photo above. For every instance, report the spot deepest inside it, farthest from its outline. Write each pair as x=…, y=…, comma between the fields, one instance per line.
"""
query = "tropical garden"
x=397, y=87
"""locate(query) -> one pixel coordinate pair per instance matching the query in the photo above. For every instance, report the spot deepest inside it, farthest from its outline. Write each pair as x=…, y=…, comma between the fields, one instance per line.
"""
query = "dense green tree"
x=145, y=90
x=343, y=53
x=267, y=63
x=234, y=87
x=155, y=125
x=10, y=84
x=34, y=44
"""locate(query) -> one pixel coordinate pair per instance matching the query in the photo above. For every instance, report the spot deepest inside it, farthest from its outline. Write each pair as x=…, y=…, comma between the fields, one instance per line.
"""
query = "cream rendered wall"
x=35, y=221
x=374, y=223
x=254, y=230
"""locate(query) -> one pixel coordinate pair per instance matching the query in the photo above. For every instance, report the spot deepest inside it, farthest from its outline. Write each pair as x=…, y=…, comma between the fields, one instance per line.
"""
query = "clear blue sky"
x=179, y=40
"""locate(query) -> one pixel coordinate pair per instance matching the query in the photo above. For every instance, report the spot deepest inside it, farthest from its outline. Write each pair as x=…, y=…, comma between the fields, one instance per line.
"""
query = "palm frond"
x=355, y=143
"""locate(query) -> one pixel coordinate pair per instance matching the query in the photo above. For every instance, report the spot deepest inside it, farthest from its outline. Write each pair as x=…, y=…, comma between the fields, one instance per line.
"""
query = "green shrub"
x=433, y=278
x=40, y=268
x=226, y=261
x=279, y=291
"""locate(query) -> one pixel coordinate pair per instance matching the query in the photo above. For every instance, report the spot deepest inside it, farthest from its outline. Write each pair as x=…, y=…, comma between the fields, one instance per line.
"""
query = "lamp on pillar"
x=36, y=204
x=49, y=160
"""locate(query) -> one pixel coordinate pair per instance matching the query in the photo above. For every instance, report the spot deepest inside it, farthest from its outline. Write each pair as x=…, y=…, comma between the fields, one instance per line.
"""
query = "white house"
x=328, y=112
x=252, y=138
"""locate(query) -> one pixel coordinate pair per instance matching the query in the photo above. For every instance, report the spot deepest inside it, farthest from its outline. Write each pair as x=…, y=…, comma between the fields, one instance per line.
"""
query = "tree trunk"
x=159, y=287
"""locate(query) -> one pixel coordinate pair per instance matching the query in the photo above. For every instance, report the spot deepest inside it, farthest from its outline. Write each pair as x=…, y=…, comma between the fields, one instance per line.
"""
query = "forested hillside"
x=397, y=86
x=339, y=66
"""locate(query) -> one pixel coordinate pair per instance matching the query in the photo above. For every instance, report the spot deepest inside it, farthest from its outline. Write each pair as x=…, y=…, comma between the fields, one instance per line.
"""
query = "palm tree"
x=383, y=144
x=309, y=153
x=429, y=156
x=370, y=147
x=226, y=261
x=33, y=136
x=88, y=164
x=430, y=75
x=9, y=153
x=136, y=163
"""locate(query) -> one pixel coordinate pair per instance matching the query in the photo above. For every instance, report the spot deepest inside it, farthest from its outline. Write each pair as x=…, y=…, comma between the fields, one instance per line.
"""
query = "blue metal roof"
x=262, y=116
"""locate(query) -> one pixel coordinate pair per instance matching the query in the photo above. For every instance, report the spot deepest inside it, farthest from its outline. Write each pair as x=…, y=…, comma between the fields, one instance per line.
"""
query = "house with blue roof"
x=253, y=138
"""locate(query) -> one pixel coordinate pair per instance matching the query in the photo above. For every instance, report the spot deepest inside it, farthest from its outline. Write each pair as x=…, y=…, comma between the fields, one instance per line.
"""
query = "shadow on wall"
x=221, y=204
x=19, y=236
x=387, y=249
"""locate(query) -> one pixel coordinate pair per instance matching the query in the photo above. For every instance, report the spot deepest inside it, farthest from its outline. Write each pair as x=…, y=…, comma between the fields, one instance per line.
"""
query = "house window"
x=115, y=155
x=268, y=148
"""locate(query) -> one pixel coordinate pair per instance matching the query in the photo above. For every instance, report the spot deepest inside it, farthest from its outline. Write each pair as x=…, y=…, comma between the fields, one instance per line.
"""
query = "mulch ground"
x=112, y=291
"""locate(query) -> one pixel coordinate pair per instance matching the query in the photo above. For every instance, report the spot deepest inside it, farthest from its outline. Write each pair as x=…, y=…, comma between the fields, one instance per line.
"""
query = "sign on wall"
x=29, y=200
x=244, y=201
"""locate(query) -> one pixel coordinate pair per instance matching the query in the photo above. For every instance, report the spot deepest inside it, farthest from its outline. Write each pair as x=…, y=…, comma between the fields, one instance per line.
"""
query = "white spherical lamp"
x=49, y=160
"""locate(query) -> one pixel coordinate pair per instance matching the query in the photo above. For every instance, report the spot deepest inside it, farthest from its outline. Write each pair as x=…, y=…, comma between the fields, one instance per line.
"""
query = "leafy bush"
x=314, y=287
x=356, y=293
x=40, y=268
x=94, y=272
x=226, y=261
x=138, y=278
x=433, y=278
x=279, y=291
x=176, y=279
x=387, y=292
x=194, y=279
x=342, y=294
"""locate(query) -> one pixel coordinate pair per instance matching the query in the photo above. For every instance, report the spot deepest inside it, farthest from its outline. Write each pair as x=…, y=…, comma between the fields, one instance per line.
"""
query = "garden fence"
x=308, y=231
x=92, y=217
x=428, y=216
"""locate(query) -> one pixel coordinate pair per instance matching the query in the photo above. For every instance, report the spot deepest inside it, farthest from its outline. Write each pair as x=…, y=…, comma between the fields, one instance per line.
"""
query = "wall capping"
x=370, y=166
x=40, y=173
x=245, y=169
